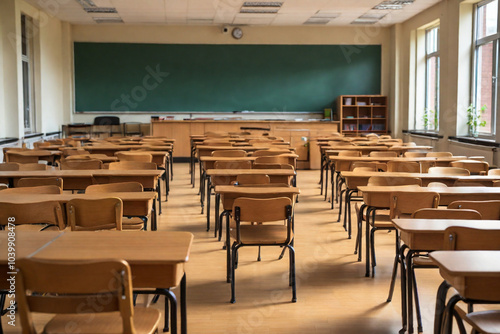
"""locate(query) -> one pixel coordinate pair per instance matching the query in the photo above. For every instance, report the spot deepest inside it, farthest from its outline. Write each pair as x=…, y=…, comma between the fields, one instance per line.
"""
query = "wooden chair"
x=439, y=154
x=415, y=154
x=448, y=171
x=383, y=154
x=276, y=159
x=473, y=166
x=50, y=189
x=83, y=164
x=132, y=223
x=495, y=171
x=403, y=166
x=272, y=166
x=252, y=179
x=446, y=214
x=267, y=233
x=233, y=165
x=436, y=185
x=34, y=166
x=496, y=183
x=9, y=166
x=75, y=284
x=486, y=322
x=488, y=209
x=394, y=181
x=44, y=214
x=134, y=156
x=213, y=142
x=40, y=181
x=229, y=153
x=95, y=214
x=131, y=165
x=366, y=166
x=268, y=153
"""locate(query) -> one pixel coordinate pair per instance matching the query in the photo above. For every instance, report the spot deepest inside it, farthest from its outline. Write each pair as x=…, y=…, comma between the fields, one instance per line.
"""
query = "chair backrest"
x=276, y=159
x=487, y=209
x=9, y=166
x=107, y=120
x=473, y=166
x=33, y=166
x=448, y=171
x=272, y=166
x=436, y=185
x=263, y=210
x=383, y=154
x=415, y=154
x=495, y=171
x=253, y=179
x=233, y=165
x=132, y=165
x=468, y=183
x=394, y=181
x=82, y=164
x=428, y=213
x=213, y=142
x=69, y=152
x=268, y=153
x=95, y=214
x=134, y=156
x=403, y=166
x=466, y=238
x=43, y=212
x=16, y=156
x=366, y=166
x=40, y=181
x=229, y=153
x=404, y=203
x=114, y=187
x=50, y=189
x=62, y=287
x=349, y=154
x=439, y=154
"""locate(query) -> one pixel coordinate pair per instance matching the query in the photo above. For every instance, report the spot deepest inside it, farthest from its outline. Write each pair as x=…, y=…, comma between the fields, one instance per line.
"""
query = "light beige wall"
x=252, y=35
x=48, y=74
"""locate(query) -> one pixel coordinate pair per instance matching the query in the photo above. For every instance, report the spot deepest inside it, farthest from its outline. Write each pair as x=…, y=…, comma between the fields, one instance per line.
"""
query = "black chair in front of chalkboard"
x=106, y=125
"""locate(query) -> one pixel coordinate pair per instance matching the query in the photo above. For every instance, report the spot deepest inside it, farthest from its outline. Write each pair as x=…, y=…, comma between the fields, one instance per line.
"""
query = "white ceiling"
x=219, y=12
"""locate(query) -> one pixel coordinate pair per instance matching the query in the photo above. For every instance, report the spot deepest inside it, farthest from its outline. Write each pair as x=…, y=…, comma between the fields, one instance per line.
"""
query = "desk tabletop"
x=439, y=190
x=228, y=172
x=26, y=242
x=420, y=175
x=439, y=225
x=252, y=158
x=30, y=198
x=468, y=263
x=402, y=159
x=232, y=189
x=136, y=247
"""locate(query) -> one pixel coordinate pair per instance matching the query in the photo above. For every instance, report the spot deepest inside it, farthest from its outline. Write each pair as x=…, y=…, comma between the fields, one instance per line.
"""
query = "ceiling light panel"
x=108, y=19
x=247, y=10
x=105, y=10
x=262, y=4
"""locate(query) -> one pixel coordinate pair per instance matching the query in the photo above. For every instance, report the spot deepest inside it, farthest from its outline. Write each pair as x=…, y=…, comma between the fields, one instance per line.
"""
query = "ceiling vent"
x=108, y=19
x=260, y=7
x=393, y=4
x=262, y=4
x=105, y=10
x=318, y=21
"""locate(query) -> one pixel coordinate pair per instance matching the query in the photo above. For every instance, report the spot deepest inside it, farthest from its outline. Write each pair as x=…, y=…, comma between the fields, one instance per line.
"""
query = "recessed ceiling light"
x=262, y=4
x=326, y=14
x=259, y=10
x=314, y=20
x=364, y=21
x=108, y=19
x=100, y=10
x=373, y=16
x=393, y=4
x=86, y=3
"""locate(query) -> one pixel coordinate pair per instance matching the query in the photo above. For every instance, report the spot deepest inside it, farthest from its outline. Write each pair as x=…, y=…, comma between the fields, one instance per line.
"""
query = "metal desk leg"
x=183, y=305
x=209, y=185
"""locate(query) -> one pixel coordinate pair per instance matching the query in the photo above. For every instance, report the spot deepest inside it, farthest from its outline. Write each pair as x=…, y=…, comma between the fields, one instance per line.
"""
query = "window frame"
x=477, y=43
x=28, y=85
x=428, y=56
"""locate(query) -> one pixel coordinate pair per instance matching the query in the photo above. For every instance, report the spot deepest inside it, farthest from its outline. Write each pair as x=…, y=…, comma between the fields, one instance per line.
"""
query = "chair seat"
x=423, y=262
x=262, y=234
x=487, y=322
x=146, y=320
x=133, y=223
x=382, y=219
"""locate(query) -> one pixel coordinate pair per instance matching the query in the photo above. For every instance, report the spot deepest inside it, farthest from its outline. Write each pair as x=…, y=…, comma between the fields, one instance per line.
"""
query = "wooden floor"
x=333, y=294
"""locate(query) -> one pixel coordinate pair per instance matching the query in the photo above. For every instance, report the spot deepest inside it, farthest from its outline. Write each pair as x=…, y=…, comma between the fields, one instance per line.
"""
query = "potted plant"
x=474, y=119
x=429, y=117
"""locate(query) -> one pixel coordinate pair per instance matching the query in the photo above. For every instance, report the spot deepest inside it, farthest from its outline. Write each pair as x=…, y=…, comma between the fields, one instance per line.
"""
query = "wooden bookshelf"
x=360, y=114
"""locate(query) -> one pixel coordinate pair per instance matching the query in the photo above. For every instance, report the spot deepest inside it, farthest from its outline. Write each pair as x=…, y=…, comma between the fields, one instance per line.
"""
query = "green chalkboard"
x=186, y=77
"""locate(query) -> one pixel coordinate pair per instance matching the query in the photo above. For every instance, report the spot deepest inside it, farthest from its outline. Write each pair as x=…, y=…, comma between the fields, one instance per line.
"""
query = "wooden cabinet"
x=360, y=114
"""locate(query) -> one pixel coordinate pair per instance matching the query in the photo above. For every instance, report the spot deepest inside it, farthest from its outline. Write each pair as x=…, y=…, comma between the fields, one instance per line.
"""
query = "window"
x=484, y=94
x=27, y=68
x=431, y=111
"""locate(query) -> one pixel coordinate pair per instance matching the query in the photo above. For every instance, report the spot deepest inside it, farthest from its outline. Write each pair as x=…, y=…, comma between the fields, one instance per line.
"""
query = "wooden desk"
x=36, y=155
x=73, y=179
x=229, y=175
x=424, y=235
x=135, y=204
x=474, y=274
x=156, y=259
x=378, y=197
